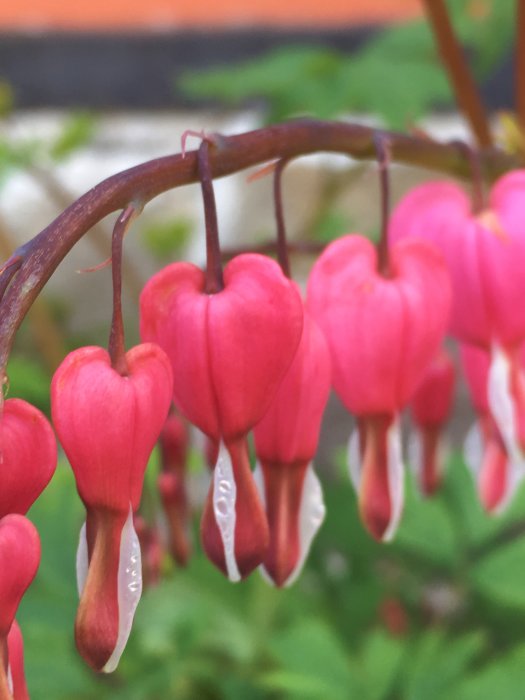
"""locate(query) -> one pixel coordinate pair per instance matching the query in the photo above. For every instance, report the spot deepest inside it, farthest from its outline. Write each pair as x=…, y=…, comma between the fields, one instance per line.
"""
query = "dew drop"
x=224, y=497
x=129, y=588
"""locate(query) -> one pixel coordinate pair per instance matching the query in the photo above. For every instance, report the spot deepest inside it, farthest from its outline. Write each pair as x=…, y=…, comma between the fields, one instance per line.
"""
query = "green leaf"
x=437, y=662
x=380, y=662
x=311, y=656
x=166, y=238
x=499, y=575
x=77, y=132
x=503, y=679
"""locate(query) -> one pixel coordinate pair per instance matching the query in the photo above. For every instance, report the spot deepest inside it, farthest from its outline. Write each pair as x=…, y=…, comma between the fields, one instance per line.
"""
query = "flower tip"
x=94, y=637
x=376, y=519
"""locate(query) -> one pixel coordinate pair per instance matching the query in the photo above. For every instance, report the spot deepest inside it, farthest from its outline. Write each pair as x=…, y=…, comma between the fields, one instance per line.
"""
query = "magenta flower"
x=19, y=561
x=229, y=352
x=497, y=475
x=28, y=455
x=430, y=408
x=285, y=443
x=172, y=486
x=108, y=425
x=15, y=654
x=485, y=253
x=382, y=332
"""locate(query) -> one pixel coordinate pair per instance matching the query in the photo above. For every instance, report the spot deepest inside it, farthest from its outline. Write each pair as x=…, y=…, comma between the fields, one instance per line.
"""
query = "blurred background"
x=90, y=88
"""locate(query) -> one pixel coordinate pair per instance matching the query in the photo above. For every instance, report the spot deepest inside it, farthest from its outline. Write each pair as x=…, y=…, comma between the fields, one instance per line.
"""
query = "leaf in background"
x=29, y=381
x=331, y=225
x=7, y=98
x=379, y=662
x=77, y=131
x=436, y=663
x=312, y=664
x=426, y=529
x=498, y=576
x=167, y=238
x=503, y=678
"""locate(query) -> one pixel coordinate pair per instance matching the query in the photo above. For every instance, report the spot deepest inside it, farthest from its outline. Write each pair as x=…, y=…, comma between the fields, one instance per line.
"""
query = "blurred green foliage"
x=436, y=614
x=395, y=75
x=167, y=238
x=76, y=132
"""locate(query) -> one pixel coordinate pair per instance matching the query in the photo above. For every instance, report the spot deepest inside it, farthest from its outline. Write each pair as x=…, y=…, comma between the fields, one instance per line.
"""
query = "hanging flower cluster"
x=483, y=244
x=28, y=456
x=236, y=351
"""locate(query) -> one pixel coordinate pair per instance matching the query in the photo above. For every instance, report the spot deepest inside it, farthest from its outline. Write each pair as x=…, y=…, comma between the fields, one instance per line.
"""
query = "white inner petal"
x=311, y=516
x=396, y=478
x=353, y=456
x=10, y=679
x=473, y=450
x=129, y=588
x=514, y=477
x=82, y=560
x=224, y=498
x=502, y=405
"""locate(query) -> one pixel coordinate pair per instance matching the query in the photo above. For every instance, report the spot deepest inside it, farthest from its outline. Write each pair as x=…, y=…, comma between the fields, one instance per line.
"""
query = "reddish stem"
x=383, y=161
x=214, y=278
x=459, y=75
x=476, y=172
x=282, y=248
x=116, y=346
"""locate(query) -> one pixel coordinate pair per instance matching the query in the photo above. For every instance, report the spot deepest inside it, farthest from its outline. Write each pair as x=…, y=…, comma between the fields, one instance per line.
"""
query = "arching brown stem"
x=43, y=253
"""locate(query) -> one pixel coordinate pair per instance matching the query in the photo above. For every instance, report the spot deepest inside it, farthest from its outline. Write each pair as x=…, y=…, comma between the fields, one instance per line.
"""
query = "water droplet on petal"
x=224, y=497
x=129, y=588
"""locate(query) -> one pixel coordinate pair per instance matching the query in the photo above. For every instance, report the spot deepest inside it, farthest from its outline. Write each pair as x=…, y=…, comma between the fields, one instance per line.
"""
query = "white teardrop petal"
x=396, y=478
x=502, y=405
x=129, y=588
x=10, y=679
x=353, y=456
x=82, y=560
x=311, y=516
x=224, y=498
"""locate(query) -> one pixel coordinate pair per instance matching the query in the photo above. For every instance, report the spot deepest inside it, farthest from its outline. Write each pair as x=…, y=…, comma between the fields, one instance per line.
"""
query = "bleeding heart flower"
x=19, y=560
x=172, y=486
x=485, y=253
x=28, y=455
x=285, y=443
x=382, y=332
x=430, y=409
x=229, y=352
x=496, y=472
x=15, y=652
x=108, y=425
